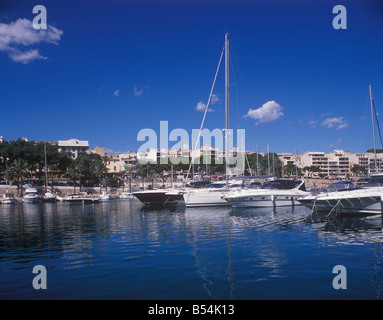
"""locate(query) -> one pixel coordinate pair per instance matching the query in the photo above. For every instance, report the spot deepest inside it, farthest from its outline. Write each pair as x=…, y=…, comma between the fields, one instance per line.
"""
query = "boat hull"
x=263, y=201
x=357, y=205
x=80, y=199
x=9, y=201
x=206, y=198
x=159, y=198
x=32, y=200
x=363, y=201
x=83, y=200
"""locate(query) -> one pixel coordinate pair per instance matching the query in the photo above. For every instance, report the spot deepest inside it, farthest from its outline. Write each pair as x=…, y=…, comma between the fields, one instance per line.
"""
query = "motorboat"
x=79, y=198
x=32, y=196
x=273, y=193
x=160, y=197
x=8, y=198
x=336, y=186
x=364, y=200
x=105, y=196
x=211, y=195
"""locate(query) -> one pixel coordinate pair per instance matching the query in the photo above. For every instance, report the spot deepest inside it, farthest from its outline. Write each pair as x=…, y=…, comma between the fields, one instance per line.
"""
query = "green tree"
x=18, y=170
x=311, y=170
x=86, y=169
x=74, y=176
x=100, y=170
x=357, y=169
x=292, y=170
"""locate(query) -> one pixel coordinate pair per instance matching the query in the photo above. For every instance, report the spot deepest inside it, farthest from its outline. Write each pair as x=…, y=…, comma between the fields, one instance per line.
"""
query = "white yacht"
x=105, y=196
x=210, y=196
x=364, y=200
x=31, y=196
x=8, y=198
x=79, y=198
x=274, y=193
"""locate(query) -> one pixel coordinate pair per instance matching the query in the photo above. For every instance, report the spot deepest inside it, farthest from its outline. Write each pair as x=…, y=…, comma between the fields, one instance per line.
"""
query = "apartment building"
x=74, y=147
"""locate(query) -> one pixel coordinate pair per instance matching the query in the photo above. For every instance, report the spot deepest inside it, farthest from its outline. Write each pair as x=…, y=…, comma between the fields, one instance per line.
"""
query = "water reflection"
x=186, y=253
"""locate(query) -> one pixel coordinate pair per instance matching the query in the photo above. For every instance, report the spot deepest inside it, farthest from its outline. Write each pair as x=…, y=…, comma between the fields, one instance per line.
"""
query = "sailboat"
x=366, y=200
x=49, y=196
x=211, y=195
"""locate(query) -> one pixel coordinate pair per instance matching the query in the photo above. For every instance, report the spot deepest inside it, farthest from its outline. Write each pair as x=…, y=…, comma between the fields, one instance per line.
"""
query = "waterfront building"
x=147, y=156
x=113, y=163
x=334, y=164
x=74, y=147
x=289, y=158
x=99, y=150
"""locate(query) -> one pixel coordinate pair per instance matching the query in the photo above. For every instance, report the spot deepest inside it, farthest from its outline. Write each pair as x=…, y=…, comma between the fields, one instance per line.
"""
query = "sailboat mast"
x=227, y=105
x=373, y=130
x=46, y=168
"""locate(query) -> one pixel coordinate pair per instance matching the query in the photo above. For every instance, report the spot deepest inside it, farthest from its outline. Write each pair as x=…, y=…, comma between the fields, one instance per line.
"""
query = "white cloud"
x=202, y=106
x=138, y=92
x=26, y=56
x=17, y=35
x=335, y=123
x=312, y=123
x=269, y=112
x=116, y=93
x=214, y=99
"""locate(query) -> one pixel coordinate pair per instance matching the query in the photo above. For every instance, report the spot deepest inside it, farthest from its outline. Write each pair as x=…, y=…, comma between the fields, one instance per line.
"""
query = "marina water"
x=120, y=250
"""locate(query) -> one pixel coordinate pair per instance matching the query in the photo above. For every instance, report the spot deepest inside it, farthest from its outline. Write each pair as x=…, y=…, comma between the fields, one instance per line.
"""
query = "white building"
x=74, y=147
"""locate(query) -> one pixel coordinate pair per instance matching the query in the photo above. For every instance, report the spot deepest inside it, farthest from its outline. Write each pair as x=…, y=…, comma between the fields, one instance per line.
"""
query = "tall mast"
x=46, y=168
x=257, y=159
x=227, y=105
x=268, y=158
x=373, y=130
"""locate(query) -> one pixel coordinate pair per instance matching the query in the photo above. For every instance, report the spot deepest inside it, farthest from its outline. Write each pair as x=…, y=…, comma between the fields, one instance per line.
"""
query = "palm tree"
x=73, y=175
x=99, y=169
x=18, y=169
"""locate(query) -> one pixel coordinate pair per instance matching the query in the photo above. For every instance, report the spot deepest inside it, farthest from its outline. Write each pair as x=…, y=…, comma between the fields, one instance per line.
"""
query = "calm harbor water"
x=120, y=250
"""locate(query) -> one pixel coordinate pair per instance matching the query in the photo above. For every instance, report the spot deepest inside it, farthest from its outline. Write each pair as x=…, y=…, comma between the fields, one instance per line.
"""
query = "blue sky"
x=104, y=70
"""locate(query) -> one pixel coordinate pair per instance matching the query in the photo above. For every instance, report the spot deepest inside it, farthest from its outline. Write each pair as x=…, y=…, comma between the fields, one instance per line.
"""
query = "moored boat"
x=105, y=196
x=364, y=200
x=160, y=197
x=274, y=193
x=210, y=196
x=49, y=197
x=32, y=196
x=8, y=198
x=79, y=198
